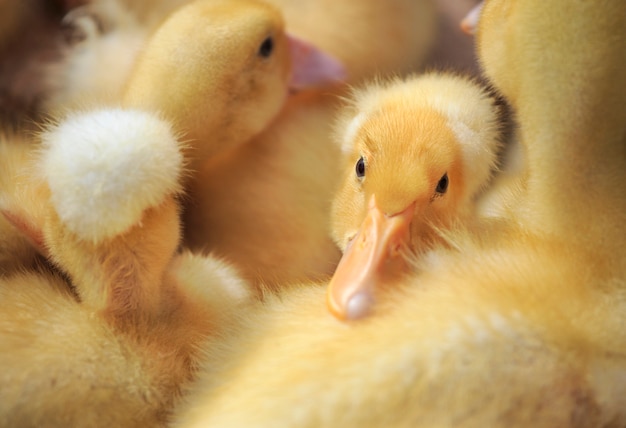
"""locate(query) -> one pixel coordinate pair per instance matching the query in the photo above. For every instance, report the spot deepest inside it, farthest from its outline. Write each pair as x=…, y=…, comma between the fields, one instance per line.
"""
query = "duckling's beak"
x=371, y=257
x=311, y=67
x=470, y=22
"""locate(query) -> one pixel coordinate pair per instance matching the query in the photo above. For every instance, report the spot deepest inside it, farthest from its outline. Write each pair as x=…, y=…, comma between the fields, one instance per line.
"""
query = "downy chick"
x=417, y=152
x=112, y=340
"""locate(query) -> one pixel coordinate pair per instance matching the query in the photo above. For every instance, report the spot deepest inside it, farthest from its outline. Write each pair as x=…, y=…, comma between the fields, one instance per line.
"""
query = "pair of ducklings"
x=282, y=165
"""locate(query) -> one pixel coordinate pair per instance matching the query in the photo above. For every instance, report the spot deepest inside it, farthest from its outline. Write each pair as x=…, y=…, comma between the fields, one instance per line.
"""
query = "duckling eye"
x=442, y=186
x=267, y=47
x=360, y=168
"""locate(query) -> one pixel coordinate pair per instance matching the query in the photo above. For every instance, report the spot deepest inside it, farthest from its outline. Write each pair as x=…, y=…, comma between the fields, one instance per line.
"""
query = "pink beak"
x=312, y=67
x=470, y=22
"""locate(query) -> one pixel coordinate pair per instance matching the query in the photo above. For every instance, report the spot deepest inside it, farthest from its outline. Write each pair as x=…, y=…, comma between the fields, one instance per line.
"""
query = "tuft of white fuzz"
x=104, y=168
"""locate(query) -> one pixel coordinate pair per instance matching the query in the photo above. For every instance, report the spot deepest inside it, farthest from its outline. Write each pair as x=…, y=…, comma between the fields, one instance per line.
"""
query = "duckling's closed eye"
x=267, y=47
x=360, y=168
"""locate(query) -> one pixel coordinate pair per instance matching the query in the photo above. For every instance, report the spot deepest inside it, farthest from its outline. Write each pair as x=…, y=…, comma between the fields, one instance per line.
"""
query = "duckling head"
x=222, y=69
x=417, y=153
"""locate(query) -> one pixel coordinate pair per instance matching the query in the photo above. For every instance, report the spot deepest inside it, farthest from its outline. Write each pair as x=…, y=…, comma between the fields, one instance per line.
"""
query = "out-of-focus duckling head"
x=418, y=152
x=228, y=62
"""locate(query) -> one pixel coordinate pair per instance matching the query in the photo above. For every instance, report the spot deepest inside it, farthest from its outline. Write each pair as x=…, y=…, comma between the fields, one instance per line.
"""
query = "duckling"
x=118, y=41
x=278, y=188
x=113, y=340
x=396, y=41
x=521, y=322
x=588, y=113
x=241, y=48
x=418, y=152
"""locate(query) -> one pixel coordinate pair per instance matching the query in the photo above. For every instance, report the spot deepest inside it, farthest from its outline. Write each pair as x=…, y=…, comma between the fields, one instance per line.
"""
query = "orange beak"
x=369, y=259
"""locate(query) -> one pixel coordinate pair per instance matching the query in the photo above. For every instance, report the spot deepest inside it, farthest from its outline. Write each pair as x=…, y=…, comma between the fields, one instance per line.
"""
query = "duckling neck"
x=206, y=131
x=575, y=126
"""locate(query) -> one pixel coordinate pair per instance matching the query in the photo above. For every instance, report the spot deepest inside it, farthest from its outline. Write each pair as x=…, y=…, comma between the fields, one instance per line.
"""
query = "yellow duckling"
x=114, y=342
x=239, y=48
x=278, y=188
x=243, y=43
x=521, y=324
x=418, y=153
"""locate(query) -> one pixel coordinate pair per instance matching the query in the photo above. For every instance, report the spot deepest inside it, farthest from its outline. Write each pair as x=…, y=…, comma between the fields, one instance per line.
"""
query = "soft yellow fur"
x=276, y=188
x=410, y=133
x=112, y=341
x=16, y=250
x=522, y=324
x=217, y=90
x=370, y=37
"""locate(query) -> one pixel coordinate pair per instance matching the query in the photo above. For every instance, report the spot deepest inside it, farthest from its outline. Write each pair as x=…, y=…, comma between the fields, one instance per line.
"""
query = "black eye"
x=267, y=47
x=442, y=186
x=360, y=167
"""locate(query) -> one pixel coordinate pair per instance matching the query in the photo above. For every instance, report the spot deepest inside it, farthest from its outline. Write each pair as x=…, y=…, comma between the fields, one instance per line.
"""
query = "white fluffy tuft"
x=104, y=168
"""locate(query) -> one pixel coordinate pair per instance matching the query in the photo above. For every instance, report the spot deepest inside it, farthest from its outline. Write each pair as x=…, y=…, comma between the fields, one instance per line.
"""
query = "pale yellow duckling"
x=113, y=344
x=418, y=152
x=368, y=37
x=279, y=187
x=240, y=47
x=237, y=46
x=522, y=324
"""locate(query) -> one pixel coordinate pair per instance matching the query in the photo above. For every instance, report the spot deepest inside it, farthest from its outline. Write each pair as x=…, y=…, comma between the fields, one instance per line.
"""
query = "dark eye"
x=360, y=168
x=442, y=186
x=267, y=47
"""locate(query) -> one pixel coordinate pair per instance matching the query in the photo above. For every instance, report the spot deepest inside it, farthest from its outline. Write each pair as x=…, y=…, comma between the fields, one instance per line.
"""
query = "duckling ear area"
x=104, y=168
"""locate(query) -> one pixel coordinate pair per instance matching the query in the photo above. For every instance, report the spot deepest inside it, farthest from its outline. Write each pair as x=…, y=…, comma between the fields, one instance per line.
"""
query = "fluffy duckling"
x=115, y=39
x=586, y=152
x=418, y=152
x=279, y=187
x=368, y=37
x=239, y=48
x=114, y=345
x=521, y=324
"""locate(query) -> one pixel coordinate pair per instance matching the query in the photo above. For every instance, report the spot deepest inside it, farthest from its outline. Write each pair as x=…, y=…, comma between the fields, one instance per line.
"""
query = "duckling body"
x=113, y=339
x=521, y=323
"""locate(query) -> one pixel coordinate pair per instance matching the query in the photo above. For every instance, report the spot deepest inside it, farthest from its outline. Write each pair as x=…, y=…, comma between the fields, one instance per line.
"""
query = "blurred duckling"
x=418, y=153
x=113, y=338
x=371, y=38
x=240, y=47
x=136, y=57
